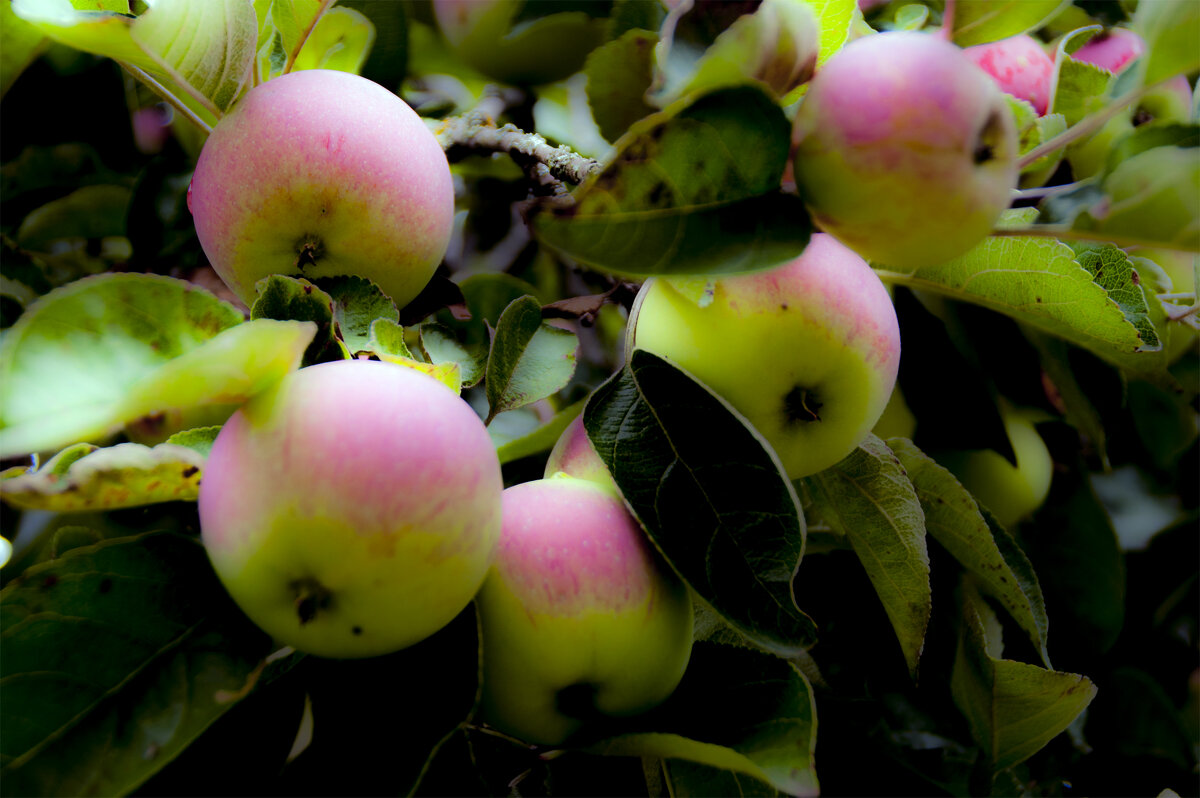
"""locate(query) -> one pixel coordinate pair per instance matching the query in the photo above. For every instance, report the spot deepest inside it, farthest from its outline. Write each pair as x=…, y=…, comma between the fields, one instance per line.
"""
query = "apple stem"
x=1181, y=314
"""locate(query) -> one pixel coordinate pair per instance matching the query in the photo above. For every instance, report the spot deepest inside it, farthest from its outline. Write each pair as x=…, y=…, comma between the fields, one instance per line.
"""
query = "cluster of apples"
x=357, y=507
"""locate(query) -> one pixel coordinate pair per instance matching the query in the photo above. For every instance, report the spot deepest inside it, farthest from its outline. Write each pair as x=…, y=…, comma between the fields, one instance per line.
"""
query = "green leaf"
x=541, y=439
x=1012, y=709
x=911, y=17
x=296, y=299
x=835, y=19
x=987, y=552
x=357, y=304
x=20, y=44
x=618, y=75
x=1040, y=283
x=682, y=777
x=529, y=359
x=386, y=341
x=91, y=212
x=294, y=19
x=82, y=720
x=1154, y=197
x=982, y=21
x=341, y=40
x=199, y=439
x=710, y=493
x=1079, y=89
x=692, y=191
x=125, y=475
x=1112, y=270
x=441, y=348
x=105, y=350
x=1169, y=29
x=868, y=498
x=738, y=710
x=774, y=46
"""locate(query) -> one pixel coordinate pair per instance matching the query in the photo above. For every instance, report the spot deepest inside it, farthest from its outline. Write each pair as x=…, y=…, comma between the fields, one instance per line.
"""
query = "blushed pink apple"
x=574, y=455
x=1114, y=49
x=904, y=149
x=580, y=619
x=807, y=352
x=320, y=173
x=1019, y=65
x=353, y=509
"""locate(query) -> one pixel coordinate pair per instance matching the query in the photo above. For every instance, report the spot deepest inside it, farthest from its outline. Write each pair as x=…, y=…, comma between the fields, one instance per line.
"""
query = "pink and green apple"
x=574, y=455
x=320, y=173
x=904, y=149
x=1020, y=66
x=581, y=621
x=353, y=509
x=807, y=351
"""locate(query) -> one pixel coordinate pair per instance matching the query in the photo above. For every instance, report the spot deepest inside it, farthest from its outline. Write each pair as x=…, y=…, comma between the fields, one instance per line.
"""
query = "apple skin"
x=1020, y=67
x=320, y=173
x=1114, y=49
x=481, y=33
x=807, y=351
x=353, y=509
x=904, y=149
x=580, y=620
x=1009, y=493
x=574, y=455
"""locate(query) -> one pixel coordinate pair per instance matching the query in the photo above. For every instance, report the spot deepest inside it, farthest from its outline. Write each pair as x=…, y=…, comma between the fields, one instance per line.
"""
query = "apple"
x=574, y=455
x=580, y=619
x=491, y=37
x=1010, y=492
x=1114, y=50
x=1019, y=65
x=904, y=149
x=807, y=351
x=320, y=173
x=352, y=509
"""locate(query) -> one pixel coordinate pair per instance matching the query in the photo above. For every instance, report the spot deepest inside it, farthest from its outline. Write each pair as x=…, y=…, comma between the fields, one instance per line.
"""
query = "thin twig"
x=478, y=131
x=1084, y=127
x=1048, y=191
x=167, y=95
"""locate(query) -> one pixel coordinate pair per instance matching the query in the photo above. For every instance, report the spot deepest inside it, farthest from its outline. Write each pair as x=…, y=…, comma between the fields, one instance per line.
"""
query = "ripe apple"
x=904, y=149
x=353, y=509
x=1010, y=492
x=488, y=35
x=320, y=173
x=574, y=455
x=580, y=619
x=1019, y=65
x=1114, y=49
x=807, y=351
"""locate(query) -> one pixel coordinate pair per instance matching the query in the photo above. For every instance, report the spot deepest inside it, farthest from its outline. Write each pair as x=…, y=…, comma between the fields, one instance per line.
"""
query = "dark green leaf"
x=82, y=720
x=281, y=297
x=738, y=710
x=692, y=191
x=619, y=73
x=1013, y=709
x=868, y=498
x=710, y=493
x=357, y=303
x=981, y=21
x=985, y=550
x=529, y=359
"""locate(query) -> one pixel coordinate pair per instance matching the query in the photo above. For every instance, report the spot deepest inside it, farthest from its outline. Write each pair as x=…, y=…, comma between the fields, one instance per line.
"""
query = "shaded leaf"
x=20, y=44
x=738, y=710
x=529, y=359
x=294, y=298
x=341, y=40
x=441, y=348
x=125, y=475
x=1040, y=283
x=692, y=191
x=618, y=75
x=76, y=723
x=724, y=516
x=1168, y=28
x=1013, y=709
x=982, y=21
x=386, y=342
x=357, y=303
x=541, y=439
x=104, y=350
x=868, y=498
x=199, y=439
x=954, y=520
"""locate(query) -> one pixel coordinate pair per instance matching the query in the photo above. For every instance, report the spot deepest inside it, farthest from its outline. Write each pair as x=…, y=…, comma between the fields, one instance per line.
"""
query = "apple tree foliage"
x=870, y=629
